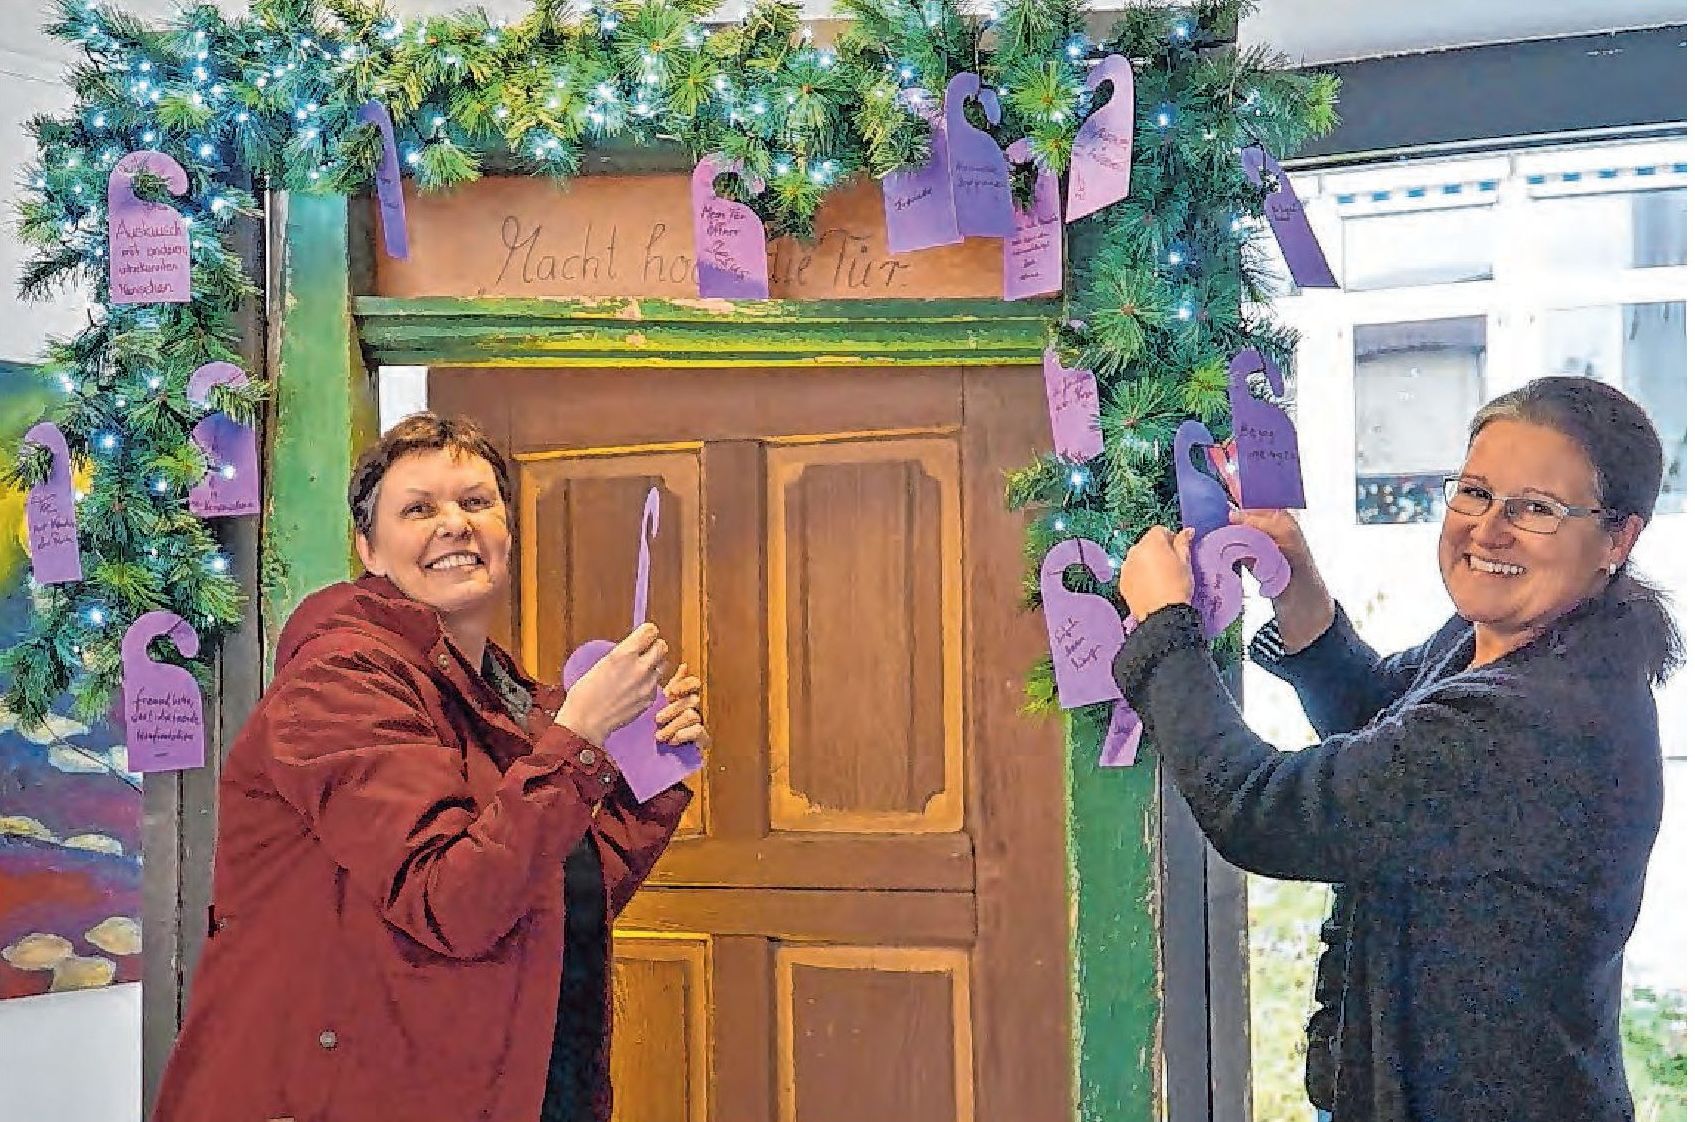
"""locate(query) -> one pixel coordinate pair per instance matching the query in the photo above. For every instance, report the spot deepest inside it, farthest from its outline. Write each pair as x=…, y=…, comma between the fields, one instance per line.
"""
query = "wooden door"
x=863, y=918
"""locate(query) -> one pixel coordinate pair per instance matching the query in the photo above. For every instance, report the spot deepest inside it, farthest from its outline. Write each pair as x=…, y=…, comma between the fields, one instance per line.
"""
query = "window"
x=1416, y=386
x=1622, y=230
x=1420, y=247
x=1643, y=350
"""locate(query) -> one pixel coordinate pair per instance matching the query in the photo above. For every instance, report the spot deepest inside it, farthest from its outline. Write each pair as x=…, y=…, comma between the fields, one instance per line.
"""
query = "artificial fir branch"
x=270, y=98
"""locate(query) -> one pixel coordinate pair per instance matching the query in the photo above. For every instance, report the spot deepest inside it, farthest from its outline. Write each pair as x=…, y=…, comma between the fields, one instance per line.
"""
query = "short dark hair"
x=420, y=432
x=1624, y=450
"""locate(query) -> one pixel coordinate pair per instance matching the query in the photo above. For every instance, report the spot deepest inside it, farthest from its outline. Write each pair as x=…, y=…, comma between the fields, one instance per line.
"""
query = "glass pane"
x=1643, y=349
x=1628, y=230
x=1416, y=386
x=1419, y=248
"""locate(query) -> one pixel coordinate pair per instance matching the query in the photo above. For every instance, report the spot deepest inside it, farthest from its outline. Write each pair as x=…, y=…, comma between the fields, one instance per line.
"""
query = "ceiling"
x=1313, y=31
x=1307, y=31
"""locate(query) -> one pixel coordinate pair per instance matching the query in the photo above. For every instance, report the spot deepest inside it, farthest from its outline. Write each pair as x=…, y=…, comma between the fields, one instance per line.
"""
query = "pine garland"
x=271, y=98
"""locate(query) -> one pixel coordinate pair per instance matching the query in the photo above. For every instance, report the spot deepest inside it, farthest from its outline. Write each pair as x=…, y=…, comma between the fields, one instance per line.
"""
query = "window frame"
x=1513, y=302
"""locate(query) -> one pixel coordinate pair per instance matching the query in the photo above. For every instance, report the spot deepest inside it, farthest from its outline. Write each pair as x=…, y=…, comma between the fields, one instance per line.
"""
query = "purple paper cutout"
x=1123, y=737
x=1288, y=219
x=391, y=201
x=982, y=191
x=1074, y=409
x=50, y=513
x=1268, y=457
x=729, y=239
x=1032, y=258
x=1101, y=154
x=1202, y=500
x=1218, y=585
x=231, y=487
x=649, y=767
x=918, y=205
x=164, y=724
x=147, y=258
x=1084, y=631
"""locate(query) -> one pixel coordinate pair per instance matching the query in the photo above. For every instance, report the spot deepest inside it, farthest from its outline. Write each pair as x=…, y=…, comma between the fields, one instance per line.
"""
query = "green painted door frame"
x=329, y=341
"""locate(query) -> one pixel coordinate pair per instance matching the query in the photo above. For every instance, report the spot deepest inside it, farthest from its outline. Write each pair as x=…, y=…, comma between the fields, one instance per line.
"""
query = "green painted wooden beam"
x=701, y=332
x=325, y=410
x=1112, y=841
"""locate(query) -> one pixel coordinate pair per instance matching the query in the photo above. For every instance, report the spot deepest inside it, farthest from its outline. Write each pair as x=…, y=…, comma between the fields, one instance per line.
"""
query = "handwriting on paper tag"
x=1268, y=456
x=1218, y=583
x=982, y=188
x=1101, y=154
x=50, y=513
x=918, y=207
x=164, y=721
x=648, y=766
x=1123, y=737
x=1084, y=631
x=1033, y=257
x=391, y=200
x=231, y=486
x=1074, y=409
x=1202, y=499
x=729, y=239
x=1288, y=218
x=147, y=246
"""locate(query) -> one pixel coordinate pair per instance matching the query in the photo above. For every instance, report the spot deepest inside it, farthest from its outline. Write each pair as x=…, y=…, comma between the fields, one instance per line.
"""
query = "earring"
x=1612, y=570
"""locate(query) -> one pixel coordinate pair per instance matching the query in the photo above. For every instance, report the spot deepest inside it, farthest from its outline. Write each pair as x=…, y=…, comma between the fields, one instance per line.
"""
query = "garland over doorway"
x=1168, y=284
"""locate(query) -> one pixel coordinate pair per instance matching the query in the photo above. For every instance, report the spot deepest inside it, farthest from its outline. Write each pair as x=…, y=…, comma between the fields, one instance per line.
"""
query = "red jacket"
x=388, y=889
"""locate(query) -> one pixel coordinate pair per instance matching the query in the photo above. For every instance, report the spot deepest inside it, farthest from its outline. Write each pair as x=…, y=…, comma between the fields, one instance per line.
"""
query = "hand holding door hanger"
x=613, y=696
x=1198, y=566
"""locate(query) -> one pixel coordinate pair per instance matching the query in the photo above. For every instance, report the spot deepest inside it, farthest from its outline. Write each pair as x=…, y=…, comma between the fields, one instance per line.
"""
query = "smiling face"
x=440, y=533
x=1511, y=583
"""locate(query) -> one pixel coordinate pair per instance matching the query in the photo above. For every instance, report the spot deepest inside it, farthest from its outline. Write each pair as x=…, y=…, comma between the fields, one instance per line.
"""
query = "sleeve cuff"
x=1268, y=652
x=590, y=768
x=1172, y=628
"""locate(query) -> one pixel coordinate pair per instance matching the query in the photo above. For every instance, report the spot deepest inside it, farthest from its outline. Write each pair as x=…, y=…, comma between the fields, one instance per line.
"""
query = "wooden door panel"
x=863, y=584
x=630, y=407
x=660, y=1073
x=874, y=1032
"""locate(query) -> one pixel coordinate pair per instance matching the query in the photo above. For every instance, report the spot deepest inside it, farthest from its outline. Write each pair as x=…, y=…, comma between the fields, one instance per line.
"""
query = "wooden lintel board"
x=631, y=236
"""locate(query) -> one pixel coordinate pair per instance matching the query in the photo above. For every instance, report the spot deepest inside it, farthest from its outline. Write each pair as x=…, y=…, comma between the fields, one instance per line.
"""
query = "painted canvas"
x=70, y=814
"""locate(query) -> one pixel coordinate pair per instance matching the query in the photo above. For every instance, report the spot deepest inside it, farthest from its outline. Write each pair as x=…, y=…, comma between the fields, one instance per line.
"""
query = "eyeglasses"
x=1532, y=513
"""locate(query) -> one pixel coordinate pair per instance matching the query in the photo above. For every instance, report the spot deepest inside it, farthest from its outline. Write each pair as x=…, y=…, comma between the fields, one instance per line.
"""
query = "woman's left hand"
x=1156, y=572
x=680, y=722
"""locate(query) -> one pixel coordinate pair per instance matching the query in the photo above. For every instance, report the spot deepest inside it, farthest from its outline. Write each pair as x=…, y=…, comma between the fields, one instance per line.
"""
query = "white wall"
x=71, y=1057
x=29, y=84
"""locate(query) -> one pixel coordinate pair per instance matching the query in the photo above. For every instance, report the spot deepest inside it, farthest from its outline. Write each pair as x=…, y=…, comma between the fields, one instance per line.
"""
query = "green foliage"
x=1166, y=293
x=272, y=98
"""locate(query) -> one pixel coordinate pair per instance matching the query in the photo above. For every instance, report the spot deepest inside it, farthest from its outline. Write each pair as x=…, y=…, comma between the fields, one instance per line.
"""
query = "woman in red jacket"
x=420, y=848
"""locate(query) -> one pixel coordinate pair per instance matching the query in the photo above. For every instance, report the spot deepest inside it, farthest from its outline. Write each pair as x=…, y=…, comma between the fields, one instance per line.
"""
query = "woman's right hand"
x=617, y=689
x=1305, y=609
